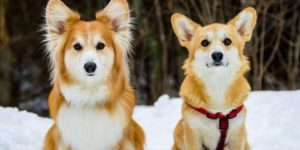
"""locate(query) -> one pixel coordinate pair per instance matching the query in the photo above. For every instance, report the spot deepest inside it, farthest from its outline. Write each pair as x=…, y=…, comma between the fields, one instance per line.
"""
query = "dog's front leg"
x=192, y=138
x=238, y=140
x=53, y=140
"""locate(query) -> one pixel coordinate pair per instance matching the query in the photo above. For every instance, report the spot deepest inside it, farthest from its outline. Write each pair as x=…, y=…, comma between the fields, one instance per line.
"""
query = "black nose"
x=217, y=56
x=90, y=67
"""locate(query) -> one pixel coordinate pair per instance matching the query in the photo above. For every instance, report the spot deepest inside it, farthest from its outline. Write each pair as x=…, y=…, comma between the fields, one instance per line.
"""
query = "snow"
x=20, y=130
x=273, y=122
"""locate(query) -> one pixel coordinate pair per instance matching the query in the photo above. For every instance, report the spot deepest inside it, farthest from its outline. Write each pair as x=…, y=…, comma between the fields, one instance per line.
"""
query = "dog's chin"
x=91, y=79
x=216, y=64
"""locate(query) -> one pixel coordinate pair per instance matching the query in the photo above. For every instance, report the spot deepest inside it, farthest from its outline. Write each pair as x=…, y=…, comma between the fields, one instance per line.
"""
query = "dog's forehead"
x=93, y=31
x=215, y=31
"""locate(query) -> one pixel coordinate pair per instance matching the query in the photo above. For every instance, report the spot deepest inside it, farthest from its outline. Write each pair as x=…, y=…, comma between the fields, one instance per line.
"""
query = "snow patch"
x=273, y=122
x=20, y=130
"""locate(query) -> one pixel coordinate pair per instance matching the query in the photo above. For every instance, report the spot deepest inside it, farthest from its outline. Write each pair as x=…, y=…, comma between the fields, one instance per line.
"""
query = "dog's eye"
x=77, y=47
x=100, y=46
x=205, y=43
x=227, y=41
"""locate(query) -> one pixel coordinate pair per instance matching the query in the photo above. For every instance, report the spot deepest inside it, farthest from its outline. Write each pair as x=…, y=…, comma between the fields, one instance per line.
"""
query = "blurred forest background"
x=274, y=50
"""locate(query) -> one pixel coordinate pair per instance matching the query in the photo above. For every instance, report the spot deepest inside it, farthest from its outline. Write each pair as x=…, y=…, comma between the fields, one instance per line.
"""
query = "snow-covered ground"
x=273, y=123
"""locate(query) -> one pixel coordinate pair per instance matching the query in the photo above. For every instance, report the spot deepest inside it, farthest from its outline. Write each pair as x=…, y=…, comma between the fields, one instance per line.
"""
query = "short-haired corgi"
x=214, y=89
x=91, y=101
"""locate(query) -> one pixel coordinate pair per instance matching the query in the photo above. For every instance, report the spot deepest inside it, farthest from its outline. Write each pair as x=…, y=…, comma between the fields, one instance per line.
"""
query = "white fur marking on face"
x=212, y=76
x=88, y=90
x=218, y=47
x=75, y=62
x=209, y=36
x=79, y=40
x=90, y=128
x=89, y=34
x=96, y=40
x=221, y=34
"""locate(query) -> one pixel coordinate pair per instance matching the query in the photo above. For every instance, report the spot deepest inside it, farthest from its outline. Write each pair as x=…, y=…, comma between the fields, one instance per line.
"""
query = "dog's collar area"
x=223, y=121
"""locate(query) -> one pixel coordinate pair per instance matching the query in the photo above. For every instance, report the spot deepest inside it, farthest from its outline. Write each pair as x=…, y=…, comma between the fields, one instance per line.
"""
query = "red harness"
x=223, y=122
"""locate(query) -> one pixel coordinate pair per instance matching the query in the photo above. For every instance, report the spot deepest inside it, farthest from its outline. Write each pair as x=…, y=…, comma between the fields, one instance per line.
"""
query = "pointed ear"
x=57, y=16
x=245, y=22
x=117, y=14
x=184, y=28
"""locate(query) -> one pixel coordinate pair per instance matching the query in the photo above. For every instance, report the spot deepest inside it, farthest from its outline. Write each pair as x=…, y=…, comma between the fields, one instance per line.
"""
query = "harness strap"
x=223, y=122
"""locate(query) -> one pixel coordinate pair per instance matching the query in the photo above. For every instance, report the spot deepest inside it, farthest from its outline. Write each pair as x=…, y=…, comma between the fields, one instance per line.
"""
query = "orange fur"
x=189, y=133
x=121, y=94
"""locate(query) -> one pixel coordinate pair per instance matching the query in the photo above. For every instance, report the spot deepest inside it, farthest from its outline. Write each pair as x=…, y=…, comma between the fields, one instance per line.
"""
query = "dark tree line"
x=156, y=63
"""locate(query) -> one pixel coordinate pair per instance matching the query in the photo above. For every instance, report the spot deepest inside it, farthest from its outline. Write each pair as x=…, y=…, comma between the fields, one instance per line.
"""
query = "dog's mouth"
x=217, y=64
x=90, y=74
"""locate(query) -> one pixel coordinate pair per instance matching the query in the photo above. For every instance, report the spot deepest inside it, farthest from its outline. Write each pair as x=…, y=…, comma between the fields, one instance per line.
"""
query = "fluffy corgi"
x=92, y=101
x=214, y=89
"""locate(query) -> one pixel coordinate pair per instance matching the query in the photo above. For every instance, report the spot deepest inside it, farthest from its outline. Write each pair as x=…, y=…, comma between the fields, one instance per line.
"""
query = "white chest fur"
x=90, y=128
x=217, y=85
x=208, y=129
x=88, y=96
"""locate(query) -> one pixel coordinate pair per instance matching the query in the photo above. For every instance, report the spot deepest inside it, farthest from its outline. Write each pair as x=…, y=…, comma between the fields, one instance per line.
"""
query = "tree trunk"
x=5, y=59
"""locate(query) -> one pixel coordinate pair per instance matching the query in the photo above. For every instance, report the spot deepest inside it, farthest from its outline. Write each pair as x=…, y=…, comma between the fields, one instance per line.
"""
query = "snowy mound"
x=273, y=122
x=20, y=130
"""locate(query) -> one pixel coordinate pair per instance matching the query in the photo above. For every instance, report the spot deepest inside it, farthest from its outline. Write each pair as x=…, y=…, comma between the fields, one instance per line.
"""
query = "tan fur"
x=120, y=91
x=189, y=133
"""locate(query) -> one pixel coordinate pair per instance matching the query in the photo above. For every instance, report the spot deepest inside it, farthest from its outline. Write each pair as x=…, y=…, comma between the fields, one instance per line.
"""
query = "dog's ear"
x=184, y=28
x=245, y=22
x=57, y=17
x=117, y=15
